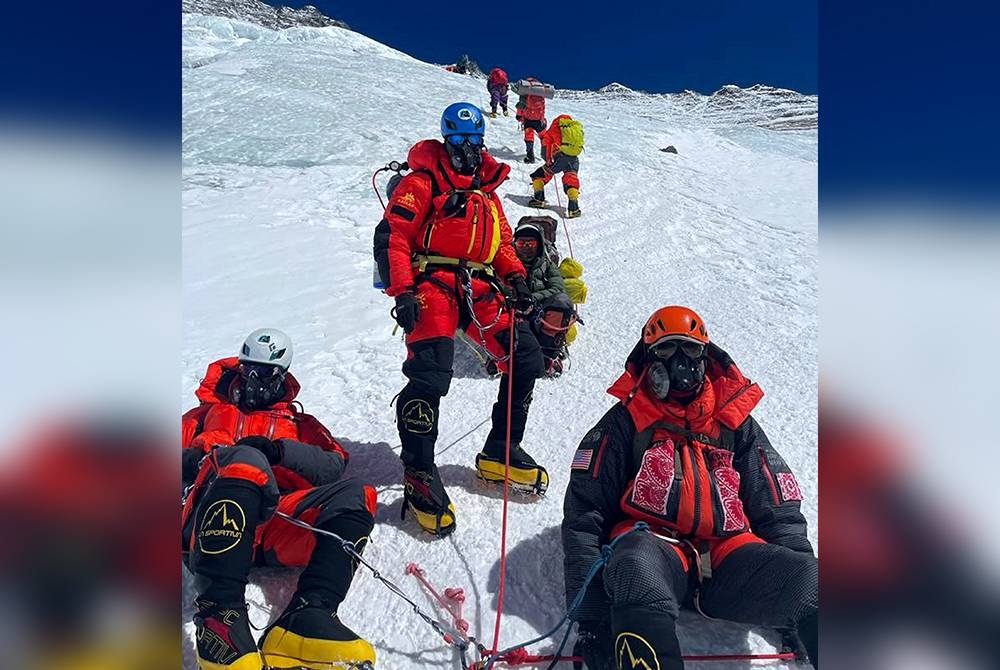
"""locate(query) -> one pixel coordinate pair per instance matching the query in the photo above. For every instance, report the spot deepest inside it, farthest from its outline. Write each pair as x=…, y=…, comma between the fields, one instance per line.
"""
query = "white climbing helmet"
x=268, y=346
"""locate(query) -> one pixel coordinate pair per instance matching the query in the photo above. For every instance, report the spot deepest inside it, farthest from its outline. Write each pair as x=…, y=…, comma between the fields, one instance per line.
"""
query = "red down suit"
x=443, y=225
x=307, y=483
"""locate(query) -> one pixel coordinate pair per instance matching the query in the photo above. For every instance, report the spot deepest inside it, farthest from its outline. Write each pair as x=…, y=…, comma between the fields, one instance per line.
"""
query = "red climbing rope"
x=520, y=656
x=506, y=484
x=569, y=242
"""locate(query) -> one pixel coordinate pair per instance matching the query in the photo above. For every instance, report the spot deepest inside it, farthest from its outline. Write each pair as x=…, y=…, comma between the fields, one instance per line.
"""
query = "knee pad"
x=344, y=497
x=802, y=586
x=242, y=454
x=643, y=573
x=540, y=174
x=570, y=180
x=538, y=185
x=528, y=359
x=242, y=463
x=572, y=193
x=429, y=366
x=352, y=525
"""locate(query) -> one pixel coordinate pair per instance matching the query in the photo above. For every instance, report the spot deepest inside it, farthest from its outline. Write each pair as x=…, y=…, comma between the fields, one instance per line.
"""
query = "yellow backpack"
x=571, y=132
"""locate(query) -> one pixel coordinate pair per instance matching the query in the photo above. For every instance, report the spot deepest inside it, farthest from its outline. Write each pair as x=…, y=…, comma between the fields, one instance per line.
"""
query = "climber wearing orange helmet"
x=681, y=452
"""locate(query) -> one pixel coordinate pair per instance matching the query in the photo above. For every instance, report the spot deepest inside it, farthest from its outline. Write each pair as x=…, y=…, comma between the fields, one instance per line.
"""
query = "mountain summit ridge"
x=273, y=16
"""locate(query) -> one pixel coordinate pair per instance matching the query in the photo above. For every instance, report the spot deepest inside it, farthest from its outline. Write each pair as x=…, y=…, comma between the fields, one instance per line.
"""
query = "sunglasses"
x=455, y=140
x=526, y=243
x=669, y=348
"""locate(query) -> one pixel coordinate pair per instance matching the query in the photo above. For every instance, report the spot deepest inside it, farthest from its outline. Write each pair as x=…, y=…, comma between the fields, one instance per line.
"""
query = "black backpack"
x=380, y=241
x=549, y=228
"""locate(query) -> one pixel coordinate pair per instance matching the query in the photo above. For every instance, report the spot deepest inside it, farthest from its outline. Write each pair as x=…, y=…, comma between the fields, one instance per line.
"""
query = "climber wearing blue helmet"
x=450, y=260
x=462, y=127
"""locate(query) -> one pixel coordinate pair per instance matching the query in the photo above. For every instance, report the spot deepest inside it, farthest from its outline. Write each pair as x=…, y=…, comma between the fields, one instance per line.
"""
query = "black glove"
x=407, y=311
x=594, y=644
x=270, y=448
x=523, y=300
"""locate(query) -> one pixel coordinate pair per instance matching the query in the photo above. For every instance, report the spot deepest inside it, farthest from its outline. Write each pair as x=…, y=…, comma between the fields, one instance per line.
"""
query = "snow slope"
x=282, y=130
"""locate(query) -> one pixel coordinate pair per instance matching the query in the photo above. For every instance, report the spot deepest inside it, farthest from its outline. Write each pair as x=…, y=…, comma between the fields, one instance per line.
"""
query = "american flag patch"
x=582, y=458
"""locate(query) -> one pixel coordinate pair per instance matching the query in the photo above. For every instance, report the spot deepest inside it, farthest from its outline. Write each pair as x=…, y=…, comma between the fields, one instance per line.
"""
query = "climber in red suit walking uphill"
x=450, y=256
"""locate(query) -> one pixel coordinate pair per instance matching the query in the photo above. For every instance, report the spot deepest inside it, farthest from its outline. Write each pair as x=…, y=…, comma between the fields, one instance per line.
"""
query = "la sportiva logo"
x=222, y=528
x=418, y=416
x=634, y=653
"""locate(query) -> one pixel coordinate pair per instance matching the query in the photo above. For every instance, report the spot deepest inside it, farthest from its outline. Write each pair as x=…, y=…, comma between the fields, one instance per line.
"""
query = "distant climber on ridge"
x=497, y=86
x=530, y=112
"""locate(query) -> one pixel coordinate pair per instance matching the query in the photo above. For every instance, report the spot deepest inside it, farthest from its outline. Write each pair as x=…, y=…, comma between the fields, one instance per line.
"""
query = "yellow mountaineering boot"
x=573, y=206
x=311, y=635
x=224, y=640
x=526, y=476
x=425, y=497
x=538, y=197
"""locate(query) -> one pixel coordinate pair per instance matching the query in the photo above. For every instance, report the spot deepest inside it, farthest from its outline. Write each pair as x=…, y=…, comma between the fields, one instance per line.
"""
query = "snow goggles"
x=461, y=139
x=526, y=243
x=666, y=349
x=260, y=371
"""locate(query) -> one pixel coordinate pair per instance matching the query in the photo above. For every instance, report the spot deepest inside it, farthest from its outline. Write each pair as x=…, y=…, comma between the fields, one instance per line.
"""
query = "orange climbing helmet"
x=674, y=322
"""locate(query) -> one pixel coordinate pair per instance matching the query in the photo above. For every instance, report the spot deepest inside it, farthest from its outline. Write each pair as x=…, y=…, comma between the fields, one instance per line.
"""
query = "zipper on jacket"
x=427, y=235
x=696, y=472
x=238, y=433
x=482, y=242
x=769, y=476
x=475, y=228
x=599, y=456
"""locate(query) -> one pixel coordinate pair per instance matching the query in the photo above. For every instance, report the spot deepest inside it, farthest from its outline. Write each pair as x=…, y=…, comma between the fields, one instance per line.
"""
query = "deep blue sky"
x=654, y=45
x=908, y=89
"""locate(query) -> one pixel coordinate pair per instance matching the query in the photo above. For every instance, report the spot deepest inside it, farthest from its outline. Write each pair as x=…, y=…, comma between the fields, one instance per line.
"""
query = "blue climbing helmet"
x=463, y=118
x=463, y=127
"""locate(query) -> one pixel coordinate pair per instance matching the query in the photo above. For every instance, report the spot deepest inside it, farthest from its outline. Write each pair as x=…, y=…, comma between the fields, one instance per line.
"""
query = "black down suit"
x=726, y=534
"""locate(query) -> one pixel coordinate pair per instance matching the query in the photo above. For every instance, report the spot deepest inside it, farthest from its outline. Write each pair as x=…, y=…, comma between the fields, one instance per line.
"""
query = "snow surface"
x=282, y=130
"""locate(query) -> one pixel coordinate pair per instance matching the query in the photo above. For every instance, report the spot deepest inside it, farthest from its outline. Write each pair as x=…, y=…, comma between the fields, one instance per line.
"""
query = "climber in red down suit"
x=450, y=256
x=249, y=451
